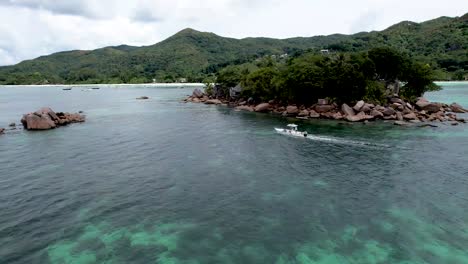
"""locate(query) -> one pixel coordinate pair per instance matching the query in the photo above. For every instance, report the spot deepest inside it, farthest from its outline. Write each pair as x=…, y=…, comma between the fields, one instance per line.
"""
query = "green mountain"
x=190, y=54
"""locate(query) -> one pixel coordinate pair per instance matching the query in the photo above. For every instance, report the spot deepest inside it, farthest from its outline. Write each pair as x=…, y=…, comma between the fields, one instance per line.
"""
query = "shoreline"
x=187, y=85
x=396, y=109
x=151, y=84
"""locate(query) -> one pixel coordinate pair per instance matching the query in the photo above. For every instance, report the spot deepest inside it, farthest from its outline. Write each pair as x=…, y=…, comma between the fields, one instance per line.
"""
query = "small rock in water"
x=458, y=108
x=264, y=107
x=12, y=125
x=213, y=101
x=245, y=108
x=428, y=125
x=2, y=130
x=400, y=123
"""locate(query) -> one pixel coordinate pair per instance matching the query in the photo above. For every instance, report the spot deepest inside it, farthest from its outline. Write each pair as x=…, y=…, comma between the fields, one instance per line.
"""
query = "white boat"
x=291, y=131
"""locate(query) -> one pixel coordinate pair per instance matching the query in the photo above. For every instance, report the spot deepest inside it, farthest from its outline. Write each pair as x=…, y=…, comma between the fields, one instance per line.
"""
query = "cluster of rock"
x=12, y=127
x=199, y=97
x=396, y=109
x=45, y=118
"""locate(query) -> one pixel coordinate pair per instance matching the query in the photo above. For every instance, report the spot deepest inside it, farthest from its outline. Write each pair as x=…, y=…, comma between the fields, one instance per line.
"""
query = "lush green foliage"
x=442, y=43
x=339, y=77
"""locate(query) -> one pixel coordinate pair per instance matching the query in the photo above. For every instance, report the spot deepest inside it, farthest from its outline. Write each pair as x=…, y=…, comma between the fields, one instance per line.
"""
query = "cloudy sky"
x=30, y=28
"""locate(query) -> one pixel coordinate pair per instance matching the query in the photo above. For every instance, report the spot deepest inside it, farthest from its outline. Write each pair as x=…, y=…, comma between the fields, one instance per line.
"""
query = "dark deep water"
x=161, y=181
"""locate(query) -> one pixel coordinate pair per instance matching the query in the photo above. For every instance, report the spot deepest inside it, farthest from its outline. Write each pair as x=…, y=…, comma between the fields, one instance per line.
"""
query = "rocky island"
x=382, y=83
x=45, y=118
x=396, y=109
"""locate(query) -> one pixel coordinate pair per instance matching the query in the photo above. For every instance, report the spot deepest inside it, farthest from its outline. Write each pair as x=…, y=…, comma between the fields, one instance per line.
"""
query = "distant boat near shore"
x=66, y=89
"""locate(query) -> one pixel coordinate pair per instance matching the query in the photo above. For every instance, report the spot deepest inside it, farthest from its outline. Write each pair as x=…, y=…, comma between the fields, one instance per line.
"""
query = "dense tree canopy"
x=345, y=77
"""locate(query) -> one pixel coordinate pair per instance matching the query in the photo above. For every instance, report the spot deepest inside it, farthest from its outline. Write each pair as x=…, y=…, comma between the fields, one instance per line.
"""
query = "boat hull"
x=290, y=132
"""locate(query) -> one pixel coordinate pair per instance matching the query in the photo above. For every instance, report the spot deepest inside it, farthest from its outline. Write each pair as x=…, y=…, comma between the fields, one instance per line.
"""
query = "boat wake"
x=334, y=140
x=341, y=141
x=327, y=139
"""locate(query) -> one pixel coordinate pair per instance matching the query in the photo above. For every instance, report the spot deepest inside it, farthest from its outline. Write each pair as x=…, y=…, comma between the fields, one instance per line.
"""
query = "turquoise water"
x=452, y=92
x=160, y=181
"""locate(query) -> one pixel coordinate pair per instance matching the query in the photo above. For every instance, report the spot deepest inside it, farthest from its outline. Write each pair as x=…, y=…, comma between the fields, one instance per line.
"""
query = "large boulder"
x=197, y=93
x=303, y=113
x=354, y=118
x=376, y=114
x=347, y=110
x=397, y=106
x=388, y=111
x=379, y=108
x=399, y=116
x=262, y=107
x=358, y=106
x=292, y=110
x=432, y=107
x=328, y=115
x=313, y=114
x=396, y=100
x=458, y=108
x=34, y=121
x=366, y=108
x=427, y=106
x=337, y=116
x=324, y=108
x=421, y=102
x=361, y=116
x=47, y=111
x=410, y=116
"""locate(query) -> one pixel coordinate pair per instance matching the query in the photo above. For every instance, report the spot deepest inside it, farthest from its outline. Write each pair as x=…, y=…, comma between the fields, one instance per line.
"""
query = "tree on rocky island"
x=343, y=78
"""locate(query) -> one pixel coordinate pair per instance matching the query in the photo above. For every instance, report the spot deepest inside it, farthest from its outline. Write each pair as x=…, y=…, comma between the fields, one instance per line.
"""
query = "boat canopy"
x=292, y=125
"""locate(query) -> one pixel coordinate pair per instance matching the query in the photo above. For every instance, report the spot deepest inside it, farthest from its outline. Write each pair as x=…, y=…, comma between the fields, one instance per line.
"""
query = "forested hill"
x=192, y=55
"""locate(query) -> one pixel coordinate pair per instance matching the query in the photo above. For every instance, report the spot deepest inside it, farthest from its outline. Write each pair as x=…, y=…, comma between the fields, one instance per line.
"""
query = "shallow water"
x=160, y=181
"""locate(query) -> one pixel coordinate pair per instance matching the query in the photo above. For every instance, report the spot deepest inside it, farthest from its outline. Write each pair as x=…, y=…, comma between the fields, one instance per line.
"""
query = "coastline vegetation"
x=193, y=56
x=342, y=78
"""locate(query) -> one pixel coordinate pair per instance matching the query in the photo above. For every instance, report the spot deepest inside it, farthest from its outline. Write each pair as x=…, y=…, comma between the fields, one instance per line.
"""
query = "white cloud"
x=30, y=28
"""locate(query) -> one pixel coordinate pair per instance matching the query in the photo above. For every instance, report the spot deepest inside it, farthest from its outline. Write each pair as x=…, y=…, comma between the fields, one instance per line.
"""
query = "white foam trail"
x=346, y=141
x=341, y=141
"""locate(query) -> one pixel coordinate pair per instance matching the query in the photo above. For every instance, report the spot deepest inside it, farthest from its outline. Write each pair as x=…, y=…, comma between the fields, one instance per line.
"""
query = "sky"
x=31, y=28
